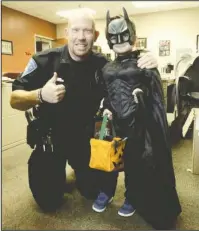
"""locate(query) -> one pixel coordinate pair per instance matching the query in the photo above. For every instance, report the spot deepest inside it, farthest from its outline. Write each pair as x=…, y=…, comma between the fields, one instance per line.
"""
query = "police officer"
x=64, y=83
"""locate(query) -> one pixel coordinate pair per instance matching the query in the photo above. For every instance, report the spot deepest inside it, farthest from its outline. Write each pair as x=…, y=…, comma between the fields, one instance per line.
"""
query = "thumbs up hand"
x=51, y=92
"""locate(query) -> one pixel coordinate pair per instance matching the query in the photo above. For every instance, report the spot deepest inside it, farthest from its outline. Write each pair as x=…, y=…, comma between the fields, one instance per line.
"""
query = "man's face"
x=81, y=36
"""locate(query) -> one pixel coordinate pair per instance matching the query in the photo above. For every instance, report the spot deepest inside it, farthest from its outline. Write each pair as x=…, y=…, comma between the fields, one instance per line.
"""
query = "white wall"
x=179, y=26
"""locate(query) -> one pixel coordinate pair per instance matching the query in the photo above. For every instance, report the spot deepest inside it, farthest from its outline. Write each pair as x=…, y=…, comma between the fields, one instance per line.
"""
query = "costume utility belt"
x=37, y=133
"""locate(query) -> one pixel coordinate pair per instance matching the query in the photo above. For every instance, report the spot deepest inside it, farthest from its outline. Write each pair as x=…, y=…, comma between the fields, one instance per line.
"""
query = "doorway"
x=42, y=43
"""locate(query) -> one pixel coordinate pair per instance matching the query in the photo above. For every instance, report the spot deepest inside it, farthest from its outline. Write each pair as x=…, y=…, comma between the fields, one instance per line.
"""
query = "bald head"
x=80, y=34
x=81, y=13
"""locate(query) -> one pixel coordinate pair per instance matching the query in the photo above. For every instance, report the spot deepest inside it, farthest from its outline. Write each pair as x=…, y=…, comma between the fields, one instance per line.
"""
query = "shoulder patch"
x=31, y=66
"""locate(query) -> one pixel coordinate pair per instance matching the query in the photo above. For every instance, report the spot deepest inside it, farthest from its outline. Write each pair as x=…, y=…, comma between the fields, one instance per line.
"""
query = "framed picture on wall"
x=197, y=43
x=7, y=47
x=164, y=47
x=141, y=43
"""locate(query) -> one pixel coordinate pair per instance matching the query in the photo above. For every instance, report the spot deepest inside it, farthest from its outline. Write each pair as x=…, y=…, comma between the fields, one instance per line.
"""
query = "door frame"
x=42, y=37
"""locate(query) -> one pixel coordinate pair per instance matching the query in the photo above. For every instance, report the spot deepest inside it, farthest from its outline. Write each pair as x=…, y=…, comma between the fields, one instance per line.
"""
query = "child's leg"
x=108, y=183
x=126, y=209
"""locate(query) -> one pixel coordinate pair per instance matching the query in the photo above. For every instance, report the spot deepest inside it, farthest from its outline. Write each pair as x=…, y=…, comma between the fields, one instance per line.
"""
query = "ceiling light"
x=68, y=13
x=147, y=4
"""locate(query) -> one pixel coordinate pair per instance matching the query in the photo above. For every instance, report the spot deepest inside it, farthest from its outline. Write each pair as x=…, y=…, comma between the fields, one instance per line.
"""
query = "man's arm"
x=23, y=100
x=49, y=93
x=25, y=89
x=29, y=89
x=147, y=60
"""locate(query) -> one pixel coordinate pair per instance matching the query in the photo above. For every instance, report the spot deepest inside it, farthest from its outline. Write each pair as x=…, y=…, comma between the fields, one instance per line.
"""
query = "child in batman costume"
x=135, y=104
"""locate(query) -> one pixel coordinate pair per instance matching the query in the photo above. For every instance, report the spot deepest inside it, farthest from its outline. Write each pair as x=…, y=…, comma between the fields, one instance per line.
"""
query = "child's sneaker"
x=126, y=210
x=101, y=202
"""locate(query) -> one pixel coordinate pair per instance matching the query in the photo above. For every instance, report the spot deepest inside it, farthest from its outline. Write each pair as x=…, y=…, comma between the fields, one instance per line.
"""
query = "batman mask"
x=120, y=30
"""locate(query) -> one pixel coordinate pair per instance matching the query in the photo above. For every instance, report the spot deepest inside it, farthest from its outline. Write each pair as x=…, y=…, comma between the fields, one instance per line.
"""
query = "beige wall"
x=60, y=30
x=179, y=26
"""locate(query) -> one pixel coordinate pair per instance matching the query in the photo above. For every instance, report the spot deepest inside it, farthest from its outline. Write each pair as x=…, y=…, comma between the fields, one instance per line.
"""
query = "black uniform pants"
x=47, y=175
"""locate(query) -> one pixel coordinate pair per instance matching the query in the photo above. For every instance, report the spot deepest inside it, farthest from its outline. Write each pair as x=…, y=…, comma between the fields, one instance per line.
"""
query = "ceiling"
x=47, y=9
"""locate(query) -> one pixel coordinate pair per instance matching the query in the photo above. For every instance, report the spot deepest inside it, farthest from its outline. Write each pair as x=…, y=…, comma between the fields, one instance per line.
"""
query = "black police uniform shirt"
x=84, y=87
